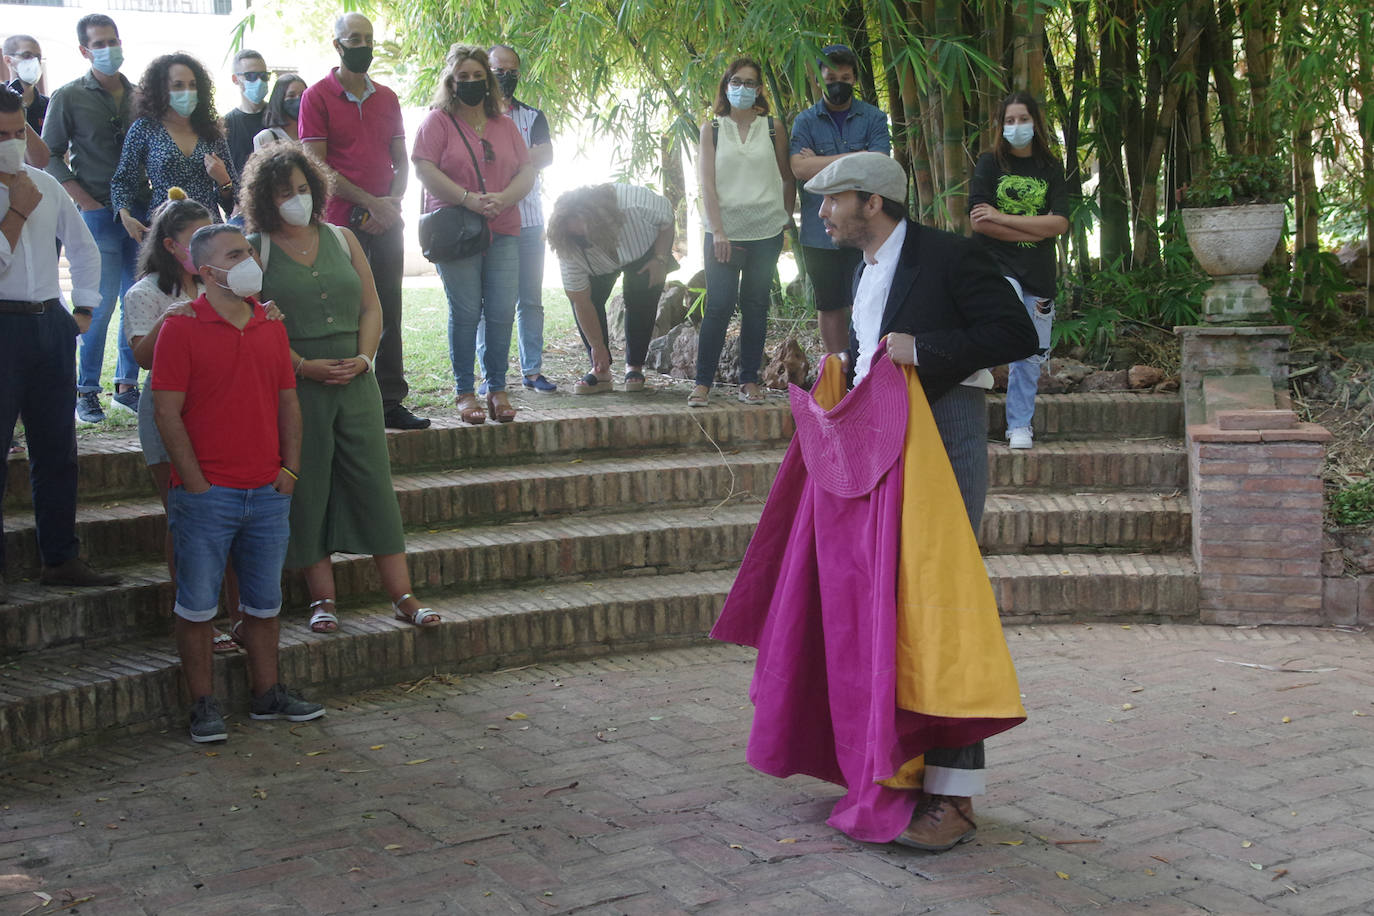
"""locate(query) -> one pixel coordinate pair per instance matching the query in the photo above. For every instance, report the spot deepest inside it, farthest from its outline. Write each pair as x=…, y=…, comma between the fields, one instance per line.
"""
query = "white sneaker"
x=1019, y=437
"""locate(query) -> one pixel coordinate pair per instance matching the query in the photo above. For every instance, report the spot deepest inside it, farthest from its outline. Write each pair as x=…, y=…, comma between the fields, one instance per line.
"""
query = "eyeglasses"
x=744, y=84
x=256, y=75
x=500, y=73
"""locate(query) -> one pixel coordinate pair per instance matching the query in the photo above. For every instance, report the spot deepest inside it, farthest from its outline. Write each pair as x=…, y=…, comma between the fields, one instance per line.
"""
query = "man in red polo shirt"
x=354, y=126
x=225, y=401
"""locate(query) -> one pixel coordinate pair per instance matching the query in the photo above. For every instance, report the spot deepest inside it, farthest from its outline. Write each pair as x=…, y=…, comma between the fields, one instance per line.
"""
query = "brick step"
x=1096, y=415
x=55, y=701
x=116, y=529
x=533, y=552
x=119, y=530
x=1052, y=588
x=111, y=466
x=1025, y=521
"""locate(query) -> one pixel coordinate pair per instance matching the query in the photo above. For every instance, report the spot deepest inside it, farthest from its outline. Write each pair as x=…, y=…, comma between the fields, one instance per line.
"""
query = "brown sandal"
x=499, y=407
x=470, y=411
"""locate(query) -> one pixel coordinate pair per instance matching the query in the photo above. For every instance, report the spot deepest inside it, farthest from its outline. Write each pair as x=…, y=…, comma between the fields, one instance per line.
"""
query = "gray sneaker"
x=281, y=703
x=88, y=407
x=126, y=400
x=207, y=724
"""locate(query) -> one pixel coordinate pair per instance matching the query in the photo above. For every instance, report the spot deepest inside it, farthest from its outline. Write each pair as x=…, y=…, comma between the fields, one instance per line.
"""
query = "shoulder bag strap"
x=475, y=167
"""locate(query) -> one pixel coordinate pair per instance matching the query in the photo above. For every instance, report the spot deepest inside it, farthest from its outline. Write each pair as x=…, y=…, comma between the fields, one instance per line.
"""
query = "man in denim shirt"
x=836, y=126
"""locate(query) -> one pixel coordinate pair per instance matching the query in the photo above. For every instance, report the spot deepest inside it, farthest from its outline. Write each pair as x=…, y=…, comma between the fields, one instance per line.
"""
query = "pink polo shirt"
x=358, y=136
x=437, y=141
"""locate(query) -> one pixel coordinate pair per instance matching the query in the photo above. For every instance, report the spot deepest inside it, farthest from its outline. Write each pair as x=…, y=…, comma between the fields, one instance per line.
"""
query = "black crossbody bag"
x=454, y=232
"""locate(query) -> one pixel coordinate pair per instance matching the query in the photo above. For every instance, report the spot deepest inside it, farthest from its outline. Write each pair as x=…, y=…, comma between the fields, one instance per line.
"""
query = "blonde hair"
x=444, y=93
x=597, y=207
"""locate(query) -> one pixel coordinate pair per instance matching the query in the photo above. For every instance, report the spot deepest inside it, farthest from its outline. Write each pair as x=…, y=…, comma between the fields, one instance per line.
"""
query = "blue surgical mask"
x=107, y=60
x=255, y=90
x=183, y=101
x=1019, y=135
x=741, y=96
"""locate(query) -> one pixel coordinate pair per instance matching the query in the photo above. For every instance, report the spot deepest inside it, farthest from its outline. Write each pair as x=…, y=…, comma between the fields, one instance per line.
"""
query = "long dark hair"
x=275, y=115
x=169, y=220
x=154, y=98
x=268, y=171
x=722, y=106
x=1041, y=151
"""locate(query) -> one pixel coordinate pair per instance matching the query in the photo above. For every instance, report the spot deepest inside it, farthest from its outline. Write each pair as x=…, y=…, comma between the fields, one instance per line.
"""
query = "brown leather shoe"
x=940, y=822
x=75, y=571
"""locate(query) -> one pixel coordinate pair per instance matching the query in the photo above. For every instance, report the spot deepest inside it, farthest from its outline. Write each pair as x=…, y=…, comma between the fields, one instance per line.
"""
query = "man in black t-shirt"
x=242, y=123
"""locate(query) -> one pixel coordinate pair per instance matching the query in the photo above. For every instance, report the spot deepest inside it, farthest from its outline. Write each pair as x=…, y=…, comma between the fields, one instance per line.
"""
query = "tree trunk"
x=1257, y=33
x=954, y=198
x=1365, y=81
x=675, y=185
x=1111, y=185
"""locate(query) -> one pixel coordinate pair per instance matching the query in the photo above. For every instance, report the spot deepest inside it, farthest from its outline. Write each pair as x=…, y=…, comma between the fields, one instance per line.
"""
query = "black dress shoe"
x=399, y=417
x=75, y=572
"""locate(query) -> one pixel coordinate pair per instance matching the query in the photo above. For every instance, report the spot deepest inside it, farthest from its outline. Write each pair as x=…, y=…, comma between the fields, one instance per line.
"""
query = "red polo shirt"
x=232, y=380
x=358, y=136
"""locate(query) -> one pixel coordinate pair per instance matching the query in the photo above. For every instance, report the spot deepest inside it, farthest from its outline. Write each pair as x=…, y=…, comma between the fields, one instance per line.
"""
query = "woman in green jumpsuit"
x=319, y=277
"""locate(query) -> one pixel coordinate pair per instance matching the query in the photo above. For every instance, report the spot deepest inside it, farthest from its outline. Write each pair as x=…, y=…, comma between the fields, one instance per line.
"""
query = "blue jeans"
x=481, y=287
x=118, y=260
x=37, y=372
x=745, y=280
x=1023, y=376
x=529, y=305
x=251, y=526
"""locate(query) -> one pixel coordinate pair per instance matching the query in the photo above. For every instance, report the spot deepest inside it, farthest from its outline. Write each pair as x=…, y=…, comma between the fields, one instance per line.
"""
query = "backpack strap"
x=266, y=251
x=772, y=133
x=715, y=133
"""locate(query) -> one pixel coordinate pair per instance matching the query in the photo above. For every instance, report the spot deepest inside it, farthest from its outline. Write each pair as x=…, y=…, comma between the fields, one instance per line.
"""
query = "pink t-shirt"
x=437, y=141
x=358, y=136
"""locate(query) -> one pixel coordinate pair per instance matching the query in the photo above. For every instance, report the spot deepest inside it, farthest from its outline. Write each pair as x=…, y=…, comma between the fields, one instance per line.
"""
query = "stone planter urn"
x=1232, y=244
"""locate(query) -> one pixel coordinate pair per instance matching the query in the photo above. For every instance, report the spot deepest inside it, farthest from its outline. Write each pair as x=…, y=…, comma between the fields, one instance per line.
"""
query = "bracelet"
x=466, y=192
x=300, y=361
x=22, y=215
x=371, y=365
x=290, y=473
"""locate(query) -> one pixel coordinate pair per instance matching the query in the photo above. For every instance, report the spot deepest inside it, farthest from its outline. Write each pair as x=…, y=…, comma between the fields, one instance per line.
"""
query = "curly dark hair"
x=267, y=172
x=154, y=97
x=275, y=114
x=169, y=220
x=722, y=104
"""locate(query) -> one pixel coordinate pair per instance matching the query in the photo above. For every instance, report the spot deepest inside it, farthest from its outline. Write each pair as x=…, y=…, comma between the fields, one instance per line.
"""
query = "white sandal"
x=423, y=617
x=321, y=621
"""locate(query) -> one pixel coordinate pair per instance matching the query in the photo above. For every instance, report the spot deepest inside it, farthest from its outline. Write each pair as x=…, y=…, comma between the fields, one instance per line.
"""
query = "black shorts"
x=832, y=275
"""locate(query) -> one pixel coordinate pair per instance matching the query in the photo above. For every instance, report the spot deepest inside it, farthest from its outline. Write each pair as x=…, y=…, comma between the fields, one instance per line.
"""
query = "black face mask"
x=839, y=93
x=357, y=60
x=471, y=92
x=507, y=81
x=292, y=107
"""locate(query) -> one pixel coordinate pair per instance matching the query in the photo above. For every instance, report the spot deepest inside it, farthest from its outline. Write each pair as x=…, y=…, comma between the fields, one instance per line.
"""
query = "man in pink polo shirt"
x=354, y=126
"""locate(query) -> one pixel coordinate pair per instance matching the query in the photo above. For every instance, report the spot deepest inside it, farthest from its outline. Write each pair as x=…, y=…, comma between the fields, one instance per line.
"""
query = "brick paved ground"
x=618, y=786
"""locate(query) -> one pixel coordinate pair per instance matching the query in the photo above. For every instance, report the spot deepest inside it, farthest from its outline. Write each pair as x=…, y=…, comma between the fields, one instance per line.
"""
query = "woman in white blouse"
x=748, y=191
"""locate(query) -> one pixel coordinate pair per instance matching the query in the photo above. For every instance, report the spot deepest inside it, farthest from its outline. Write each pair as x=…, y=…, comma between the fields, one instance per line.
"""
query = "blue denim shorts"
x=250, y=526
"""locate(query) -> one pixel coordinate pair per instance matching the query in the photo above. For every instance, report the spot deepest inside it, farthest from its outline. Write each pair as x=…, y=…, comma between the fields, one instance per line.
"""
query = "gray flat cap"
x=871, y=172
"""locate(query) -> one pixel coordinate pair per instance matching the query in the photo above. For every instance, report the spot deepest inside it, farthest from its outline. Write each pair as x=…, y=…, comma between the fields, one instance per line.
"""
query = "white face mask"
x=29, y=69
x=297, y=210
x=12, y=155
x=1019, y=135
x=245, y=278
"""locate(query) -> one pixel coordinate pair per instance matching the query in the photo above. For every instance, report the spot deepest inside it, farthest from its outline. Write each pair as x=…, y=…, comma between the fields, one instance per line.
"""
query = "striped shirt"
x=534, y=127
x=643, y=215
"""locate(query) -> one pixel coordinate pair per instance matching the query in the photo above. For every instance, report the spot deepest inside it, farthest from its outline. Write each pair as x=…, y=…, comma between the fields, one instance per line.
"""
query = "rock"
x=683, y=356
x=698, y=281
x=1050, y=383
x=1359, y=549
x=1070, y=371
x=1354, y=258
x=660, y=357
x=1167, y=386
x=672, y=308
x=727, y=370
x=999, y=378
x=789, y=365
x=615, y=320
x=1144, y=376
x=1107, y=381
x=797, y=288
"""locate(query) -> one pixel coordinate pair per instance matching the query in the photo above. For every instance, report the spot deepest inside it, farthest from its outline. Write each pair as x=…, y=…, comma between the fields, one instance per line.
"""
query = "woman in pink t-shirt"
x=483, y=286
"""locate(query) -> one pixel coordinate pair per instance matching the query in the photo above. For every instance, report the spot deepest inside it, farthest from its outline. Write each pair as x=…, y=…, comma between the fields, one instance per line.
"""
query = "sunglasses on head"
x=488, y=153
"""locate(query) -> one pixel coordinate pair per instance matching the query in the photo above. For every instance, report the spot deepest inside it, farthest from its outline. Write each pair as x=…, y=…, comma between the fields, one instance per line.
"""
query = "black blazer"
x=949, y=294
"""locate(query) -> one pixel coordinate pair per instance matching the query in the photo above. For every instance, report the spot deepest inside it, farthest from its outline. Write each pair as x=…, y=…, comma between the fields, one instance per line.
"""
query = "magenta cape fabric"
x=817, y=596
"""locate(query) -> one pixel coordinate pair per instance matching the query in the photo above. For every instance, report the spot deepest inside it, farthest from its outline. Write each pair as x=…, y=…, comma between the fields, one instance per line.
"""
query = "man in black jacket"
x=944, y=307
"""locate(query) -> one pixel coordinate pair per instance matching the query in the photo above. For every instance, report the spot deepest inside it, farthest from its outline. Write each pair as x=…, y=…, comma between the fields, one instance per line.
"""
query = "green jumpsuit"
x=344, y=501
